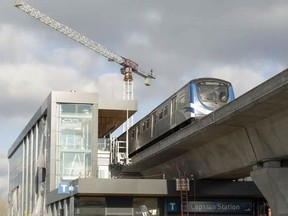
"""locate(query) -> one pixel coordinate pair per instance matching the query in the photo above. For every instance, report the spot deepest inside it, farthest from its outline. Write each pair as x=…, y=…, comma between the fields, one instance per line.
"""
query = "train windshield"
x=213, y=94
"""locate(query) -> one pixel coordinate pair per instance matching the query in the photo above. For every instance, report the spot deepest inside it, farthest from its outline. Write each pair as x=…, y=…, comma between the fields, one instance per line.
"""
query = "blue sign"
x=173, y=206
x=63, y=188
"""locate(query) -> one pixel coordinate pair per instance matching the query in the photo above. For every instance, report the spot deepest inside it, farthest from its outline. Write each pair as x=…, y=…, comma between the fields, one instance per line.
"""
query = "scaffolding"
x=119, y=153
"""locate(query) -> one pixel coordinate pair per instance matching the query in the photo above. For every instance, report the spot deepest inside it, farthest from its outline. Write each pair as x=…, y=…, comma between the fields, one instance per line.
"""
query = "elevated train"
x=196, y=99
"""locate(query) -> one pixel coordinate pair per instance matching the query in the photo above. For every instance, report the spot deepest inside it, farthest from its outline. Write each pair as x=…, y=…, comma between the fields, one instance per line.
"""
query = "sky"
x=244, y=42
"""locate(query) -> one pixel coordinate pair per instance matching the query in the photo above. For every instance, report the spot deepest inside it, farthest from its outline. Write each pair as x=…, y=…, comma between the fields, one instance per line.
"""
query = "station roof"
x=93, y=187
x=113, y=113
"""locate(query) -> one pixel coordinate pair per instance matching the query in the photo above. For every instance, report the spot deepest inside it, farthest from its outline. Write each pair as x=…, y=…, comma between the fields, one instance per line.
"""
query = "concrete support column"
x=272, y=181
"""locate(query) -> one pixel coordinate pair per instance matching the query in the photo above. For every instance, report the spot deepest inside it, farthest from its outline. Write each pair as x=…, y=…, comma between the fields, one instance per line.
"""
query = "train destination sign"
x=220, y=207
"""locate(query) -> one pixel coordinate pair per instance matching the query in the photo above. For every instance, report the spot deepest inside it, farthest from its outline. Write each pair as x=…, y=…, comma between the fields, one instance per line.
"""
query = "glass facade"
x=15, y=180
x=74, y=141
x=25, y=176
x=59, y=144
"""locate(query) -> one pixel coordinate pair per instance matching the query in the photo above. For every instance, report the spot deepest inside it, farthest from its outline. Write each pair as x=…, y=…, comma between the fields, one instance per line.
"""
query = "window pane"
x=74, y=145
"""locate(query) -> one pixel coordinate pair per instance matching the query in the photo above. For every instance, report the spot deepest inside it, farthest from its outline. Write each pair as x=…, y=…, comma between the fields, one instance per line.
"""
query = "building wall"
x=58, y=144
x=25, y=179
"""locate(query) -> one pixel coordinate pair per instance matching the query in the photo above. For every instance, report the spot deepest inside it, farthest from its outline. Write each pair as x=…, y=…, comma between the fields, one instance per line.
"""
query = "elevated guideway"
x=248, y=136
x=227, y=143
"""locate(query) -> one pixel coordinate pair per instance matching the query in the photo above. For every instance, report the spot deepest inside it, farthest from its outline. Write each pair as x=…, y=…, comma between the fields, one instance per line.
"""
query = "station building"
x=60, y=165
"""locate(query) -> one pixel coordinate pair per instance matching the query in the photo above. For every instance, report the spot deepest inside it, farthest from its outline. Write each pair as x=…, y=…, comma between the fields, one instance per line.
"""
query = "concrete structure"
x=159, y=197
x=59, y=166
x=65, y=140
x=271, y=178
x=249, y=132
x=61, y=143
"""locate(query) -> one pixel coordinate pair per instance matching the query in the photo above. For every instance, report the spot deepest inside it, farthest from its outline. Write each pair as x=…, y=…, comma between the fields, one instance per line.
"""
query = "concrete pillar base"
x=272, y=181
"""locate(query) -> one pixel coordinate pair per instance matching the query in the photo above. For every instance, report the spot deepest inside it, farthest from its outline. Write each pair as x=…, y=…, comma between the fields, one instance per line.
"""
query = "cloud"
x=34, y=67
x=138, y=39
x=3, y=163
x=110, y=85
x=151, y=17
x=242, y=79
x=180, y=40
x=32, y=82
x=3, y=173
x=17, y=45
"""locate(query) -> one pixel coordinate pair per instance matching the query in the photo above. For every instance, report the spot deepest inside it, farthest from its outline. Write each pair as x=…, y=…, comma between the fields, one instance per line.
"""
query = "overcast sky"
x=244, y=42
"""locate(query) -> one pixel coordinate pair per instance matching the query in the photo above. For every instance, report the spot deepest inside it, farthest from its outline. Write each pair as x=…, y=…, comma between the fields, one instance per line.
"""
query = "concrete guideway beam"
x=271, y=178
x=228, y=142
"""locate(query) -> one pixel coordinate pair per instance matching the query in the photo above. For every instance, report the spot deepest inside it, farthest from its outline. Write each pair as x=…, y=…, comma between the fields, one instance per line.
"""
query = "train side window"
x=133, y=134
x=182, y=99
x=173, y=105
x=161, y=114
x=143, y=126
x=148, y=123
x=137, y=131
x=166, y=110
x=173, y=111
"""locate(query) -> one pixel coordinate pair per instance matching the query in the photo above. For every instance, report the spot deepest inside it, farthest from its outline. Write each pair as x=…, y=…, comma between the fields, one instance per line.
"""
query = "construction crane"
x=128, y=66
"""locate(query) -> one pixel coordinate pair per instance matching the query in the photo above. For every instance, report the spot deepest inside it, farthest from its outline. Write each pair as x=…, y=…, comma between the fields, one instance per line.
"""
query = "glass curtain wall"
x=15, y=181
x=74, y=147
x=25, y=177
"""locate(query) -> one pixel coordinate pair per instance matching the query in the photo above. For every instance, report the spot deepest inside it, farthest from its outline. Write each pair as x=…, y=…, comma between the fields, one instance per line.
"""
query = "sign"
x=173, y=206
x=220, y=207
x=63, y=188
x=229, y=207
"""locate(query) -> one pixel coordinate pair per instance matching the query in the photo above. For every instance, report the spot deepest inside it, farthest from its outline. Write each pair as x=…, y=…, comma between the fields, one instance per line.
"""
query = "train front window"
x=213, y=94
